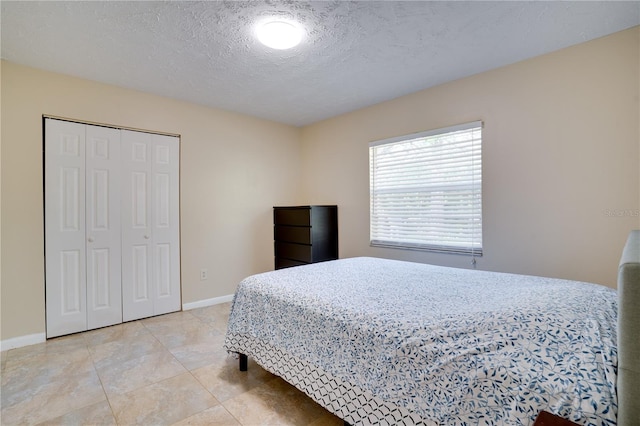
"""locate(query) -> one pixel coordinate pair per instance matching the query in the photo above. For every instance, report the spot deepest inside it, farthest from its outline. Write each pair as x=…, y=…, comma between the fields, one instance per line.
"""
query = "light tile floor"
x=163, y=370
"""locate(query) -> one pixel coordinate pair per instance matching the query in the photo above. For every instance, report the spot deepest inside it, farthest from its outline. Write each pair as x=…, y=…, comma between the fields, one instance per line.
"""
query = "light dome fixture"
x=278, y=34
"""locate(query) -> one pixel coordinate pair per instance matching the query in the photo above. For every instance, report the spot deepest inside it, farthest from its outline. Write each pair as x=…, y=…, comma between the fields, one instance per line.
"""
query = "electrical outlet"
x=203, y=274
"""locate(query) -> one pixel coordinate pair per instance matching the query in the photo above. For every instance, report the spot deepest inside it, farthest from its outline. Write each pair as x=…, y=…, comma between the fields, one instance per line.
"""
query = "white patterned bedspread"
x=452, y=346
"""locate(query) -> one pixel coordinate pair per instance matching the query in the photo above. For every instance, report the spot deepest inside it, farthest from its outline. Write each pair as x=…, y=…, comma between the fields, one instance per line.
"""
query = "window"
x=426, y=190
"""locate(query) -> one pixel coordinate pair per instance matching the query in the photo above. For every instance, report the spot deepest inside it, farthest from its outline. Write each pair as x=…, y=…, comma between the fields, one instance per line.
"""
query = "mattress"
x=380, y=341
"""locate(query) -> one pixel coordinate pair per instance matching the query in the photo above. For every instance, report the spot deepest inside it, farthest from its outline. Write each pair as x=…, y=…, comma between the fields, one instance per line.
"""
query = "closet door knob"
x=146, y=237
x=90, y=239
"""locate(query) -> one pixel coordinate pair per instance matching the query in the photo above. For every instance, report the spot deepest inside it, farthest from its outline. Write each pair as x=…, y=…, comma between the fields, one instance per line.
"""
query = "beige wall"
x=561, y=150
x=560, y=155
x=233, y=170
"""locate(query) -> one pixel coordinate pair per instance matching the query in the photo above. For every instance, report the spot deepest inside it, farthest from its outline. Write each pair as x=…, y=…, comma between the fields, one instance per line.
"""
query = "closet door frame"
x=95, y=187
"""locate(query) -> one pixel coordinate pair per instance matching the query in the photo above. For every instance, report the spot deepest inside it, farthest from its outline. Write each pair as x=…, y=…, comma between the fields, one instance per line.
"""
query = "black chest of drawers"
x=304, y=234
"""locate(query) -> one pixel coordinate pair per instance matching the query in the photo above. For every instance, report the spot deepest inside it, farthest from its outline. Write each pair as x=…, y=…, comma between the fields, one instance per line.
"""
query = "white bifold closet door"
x=82, y=222
x=150, y=221
x=112, y=244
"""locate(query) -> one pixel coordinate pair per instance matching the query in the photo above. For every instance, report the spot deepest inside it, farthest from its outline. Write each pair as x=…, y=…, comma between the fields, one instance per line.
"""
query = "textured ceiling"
x=354, y=53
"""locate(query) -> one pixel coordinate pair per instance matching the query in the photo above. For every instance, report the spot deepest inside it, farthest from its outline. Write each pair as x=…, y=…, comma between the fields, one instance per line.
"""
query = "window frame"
x=473, y=244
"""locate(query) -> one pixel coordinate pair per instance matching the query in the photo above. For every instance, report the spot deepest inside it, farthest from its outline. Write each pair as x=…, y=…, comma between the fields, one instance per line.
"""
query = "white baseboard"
x=32, y=339
x=18, y=342
x=207, y=302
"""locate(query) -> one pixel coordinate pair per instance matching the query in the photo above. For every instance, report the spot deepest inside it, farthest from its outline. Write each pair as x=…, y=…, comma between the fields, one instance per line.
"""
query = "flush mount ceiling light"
x=279, y=34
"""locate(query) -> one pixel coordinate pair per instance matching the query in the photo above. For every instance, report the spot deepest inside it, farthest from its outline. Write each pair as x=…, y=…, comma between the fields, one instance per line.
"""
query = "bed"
x=378, y=341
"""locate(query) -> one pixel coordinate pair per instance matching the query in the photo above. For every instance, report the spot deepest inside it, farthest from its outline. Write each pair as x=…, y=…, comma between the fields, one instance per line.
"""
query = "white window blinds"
x=426, y=190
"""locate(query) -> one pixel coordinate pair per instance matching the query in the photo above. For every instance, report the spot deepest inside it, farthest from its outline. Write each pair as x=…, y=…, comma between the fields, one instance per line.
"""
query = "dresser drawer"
x=292, y=216
x=304, y=234
x=292, y=234
x=293, y=251
x=287, y=263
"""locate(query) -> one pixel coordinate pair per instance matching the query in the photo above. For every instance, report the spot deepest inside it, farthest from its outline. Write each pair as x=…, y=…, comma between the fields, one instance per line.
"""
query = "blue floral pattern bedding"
x=450, y=346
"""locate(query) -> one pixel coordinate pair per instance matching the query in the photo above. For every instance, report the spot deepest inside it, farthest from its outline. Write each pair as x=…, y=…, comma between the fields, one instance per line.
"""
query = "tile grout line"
x=220, y=403
x=177, y=330
x=132, y=359
x=186, y=369
x=165, y=346
x=142, y=356
x=85, y=347
x=95, y=368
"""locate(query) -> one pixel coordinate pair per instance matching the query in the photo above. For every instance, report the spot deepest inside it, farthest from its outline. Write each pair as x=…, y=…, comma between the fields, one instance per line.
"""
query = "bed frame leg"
x=346, y=423
x=242, y=358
